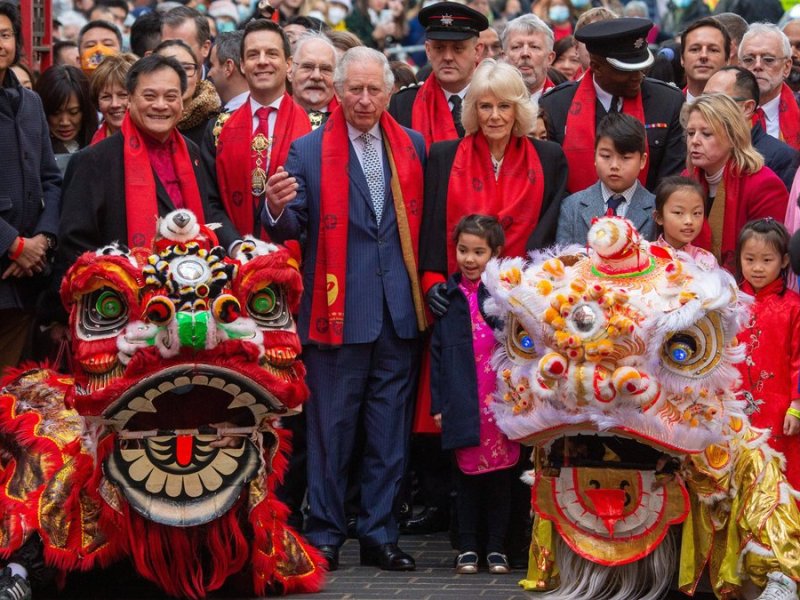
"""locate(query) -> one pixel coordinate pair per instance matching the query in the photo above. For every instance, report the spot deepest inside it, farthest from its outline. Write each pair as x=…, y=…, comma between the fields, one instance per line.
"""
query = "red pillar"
x=37, y=33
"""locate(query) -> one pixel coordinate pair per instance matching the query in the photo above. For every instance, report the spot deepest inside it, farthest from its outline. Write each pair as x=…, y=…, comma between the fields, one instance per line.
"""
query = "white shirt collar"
x=254, y=106
x=354, y=133
x=237, y=101
x=602, y=95
x=771, y=108
x=461, y=94
x=627, y=194
x=689, y=97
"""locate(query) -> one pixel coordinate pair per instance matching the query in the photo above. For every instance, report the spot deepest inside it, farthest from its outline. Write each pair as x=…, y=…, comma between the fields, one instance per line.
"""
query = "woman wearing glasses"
x=200, y=102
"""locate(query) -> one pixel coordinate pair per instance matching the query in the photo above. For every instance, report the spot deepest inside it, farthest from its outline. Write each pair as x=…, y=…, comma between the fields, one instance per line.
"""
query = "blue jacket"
x=376, y=277
x=454, y=383
x=30, y=182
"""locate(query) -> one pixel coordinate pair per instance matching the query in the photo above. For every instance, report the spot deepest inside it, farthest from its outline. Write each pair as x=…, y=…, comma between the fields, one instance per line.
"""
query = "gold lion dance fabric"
x=162, y=446
x=616, y=364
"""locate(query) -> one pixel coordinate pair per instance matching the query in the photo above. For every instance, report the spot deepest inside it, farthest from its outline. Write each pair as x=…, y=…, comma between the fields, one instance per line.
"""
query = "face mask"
x=225, y=26
x=559, y=14
x=336, y=14
x=92, y=57
x=428, y=3
x=244, y=12
x=580, y=3
x=126, y=42
x=201, y=8
x=682, y=3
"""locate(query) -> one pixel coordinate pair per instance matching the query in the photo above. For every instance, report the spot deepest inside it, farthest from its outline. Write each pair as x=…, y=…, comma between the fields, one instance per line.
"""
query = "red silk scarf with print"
x=330, y=275
x=234, y=158
x=789, y=114
x=431, y=114
x=141, y=206
x=579, y=135
x=515, y=197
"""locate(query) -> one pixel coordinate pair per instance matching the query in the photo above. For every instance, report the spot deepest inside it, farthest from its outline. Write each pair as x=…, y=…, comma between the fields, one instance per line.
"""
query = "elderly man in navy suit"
x=353, y=191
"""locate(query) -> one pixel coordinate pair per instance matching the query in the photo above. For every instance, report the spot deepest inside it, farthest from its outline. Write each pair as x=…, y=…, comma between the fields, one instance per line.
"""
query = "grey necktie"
x=373, y=171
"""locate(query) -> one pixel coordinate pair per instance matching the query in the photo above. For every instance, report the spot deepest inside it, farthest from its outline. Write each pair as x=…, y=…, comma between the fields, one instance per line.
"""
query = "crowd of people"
x=403, y=147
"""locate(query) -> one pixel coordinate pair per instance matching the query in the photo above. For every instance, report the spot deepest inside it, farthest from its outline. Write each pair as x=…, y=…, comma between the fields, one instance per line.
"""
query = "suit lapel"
x=592, y=205
x=641, y=209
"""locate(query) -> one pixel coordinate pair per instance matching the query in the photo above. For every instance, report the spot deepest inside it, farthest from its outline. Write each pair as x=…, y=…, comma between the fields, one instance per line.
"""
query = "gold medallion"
x=258, y=181
x=259, y=143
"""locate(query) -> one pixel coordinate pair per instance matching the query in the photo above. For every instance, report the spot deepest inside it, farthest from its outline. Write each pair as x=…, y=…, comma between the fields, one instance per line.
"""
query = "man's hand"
x=437, y=299
x=281, y=189
x=32, y=260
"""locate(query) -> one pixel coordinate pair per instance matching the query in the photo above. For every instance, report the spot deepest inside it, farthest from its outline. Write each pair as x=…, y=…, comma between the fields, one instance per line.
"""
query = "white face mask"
x=559, y=13
x=336, y=14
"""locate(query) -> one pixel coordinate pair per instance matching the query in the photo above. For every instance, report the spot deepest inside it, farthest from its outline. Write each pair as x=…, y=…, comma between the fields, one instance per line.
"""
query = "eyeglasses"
x=324, y=70
x=190, y=68
x=767, y=60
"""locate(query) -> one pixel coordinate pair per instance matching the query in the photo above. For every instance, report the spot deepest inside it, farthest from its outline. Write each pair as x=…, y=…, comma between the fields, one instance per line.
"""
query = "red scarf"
x=730, y=229
x=431, y=114
x=101, y=134
x=234, y=157
x=579, y=136
x=141, y=206
x=789, y=115
x=328, y=293
x=515, y=198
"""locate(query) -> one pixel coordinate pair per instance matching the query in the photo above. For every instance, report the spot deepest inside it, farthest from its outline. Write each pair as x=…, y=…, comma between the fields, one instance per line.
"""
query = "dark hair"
x=100, y=24
x=115, y=4
x=746, y=84
x=229, y=46
x=177, y=16
x=734, y=24
x=772, y=233
x=310, y=23
x=668, y=186
x=485, y=227
x=266, y=25
x=564, y=44
x=179, y=44
x=714, y=24
x=403, y=73
x=548, y=122
x=151, y=64
x=11, y=12
x=145, y=33
x=625, y=132
x=55, y=87
x=667, y=65
x=59, y=46
x=556, y=76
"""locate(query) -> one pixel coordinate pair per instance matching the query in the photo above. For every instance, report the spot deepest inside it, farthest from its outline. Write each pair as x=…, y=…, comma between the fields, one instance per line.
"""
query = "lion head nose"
x=181, y=219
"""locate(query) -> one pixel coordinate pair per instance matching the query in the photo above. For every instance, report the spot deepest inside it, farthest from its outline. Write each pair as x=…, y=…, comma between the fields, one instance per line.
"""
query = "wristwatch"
x=51, y=240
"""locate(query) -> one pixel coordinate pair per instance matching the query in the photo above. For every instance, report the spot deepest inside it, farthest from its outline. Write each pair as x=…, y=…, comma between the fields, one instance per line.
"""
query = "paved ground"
x=434, y=579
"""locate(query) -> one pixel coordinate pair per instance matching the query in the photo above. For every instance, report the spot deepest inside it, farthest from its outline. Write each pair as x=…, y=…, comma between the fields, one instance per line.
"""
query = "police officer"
x=615, y=82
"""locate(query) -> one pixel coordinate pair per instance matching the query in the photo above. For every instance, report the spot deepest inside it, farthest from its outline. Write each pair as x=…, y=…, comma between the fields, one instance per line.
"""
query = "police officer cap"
x=451, y=21
x=623, y=42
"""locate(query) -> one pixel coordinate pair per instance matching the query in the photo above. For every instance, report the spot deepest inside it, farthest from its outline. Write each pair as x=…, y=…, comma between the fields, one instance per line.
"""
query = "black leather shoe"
x=430, y=520
x=331, y=555
x=388, y=557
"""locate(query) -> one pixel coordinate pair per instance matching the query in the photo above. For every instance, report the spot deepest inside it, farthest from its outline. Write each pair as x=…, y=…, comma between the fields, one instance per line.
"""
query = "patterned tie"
x=317, y=118
x=373, y=171
x=613, y=204
x=455, y=99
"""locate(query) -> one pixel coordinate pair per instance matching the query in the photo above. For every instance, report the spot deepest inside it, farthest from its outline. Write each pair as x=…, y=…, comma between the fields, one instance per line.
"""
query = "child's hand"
x=437, y=420
x=791, y=422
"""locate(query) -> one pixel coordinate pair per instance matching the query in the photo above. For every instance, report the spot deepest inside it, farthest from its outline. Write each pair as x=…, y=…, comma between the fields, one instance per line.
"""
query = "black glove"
x=437, y=299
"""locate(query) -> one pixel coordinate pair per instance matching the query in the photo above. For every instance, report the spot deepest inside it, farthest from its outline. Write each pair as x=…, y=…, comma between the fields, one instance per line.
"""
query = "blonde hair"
x=505, y=82
x=113, y=69
x=726, y=121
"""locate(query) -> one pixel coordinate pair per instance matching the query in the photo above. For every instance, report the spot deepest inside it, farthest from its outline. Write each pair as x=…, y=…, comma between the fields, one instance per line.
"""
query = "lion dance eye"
x=681, y=348
x=109, y=305
x=268, y=308
x=262, y=302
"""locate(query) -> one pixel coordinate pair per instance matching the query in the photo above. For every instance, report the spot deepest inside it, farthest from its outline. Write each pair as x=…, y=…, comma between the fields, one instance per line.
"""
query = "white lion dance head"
x=617, y=365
